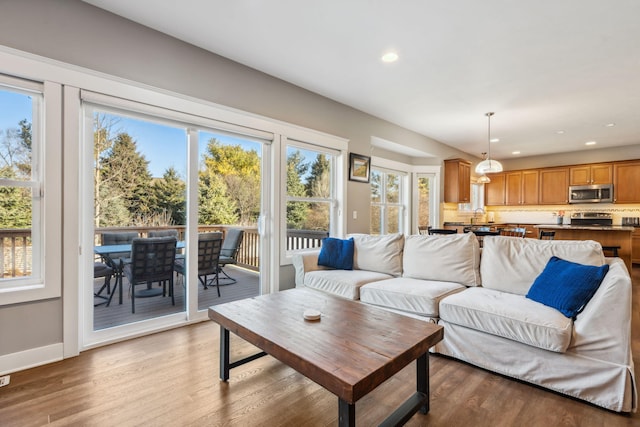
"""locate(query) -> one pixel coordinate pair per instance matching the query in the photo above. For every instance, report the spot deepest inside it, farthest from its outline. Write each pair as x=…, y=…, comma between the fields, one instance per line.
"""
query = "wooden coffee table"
x=350, y=351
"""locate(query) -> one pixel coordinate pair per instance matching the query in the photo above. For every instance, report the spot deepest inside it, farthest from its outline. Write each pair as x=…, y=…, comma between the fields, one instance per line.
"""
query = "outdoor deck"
x=247, y=286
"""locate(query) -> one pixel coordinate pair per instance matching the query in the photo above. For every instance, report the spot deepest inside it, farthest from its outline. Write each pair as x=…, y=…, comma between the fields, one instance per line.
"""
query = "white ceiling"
x=542, y=66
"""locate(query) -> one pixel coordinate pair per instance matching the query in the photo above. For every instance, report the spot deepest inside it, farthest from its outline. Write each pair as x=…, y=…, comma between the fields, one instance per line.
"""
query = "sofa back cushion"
x=511, y=264
x=447, y=258
x=382, y=254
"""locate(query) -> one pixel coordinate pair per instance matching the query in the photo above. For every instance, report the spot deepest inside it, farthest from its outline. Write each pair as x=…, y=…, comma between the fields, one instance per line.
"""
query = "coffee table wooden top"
x=351, y=350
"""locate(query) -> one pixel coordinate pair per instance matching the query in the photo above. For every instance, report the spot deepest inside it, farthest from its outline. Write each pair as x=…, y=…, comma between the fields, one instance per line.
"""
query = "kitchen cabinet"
x=635, y=246
x=626, y=179
x=554, y=186
x=521, y=187
x=457, y=181
x=494, y=192
x=597, y=173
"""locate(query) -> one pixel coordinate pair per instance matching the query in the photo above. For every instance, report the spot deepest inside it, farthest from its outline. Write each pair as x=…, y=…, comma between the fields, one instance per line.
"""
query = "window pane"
x=376, y=220
x=376, y=189
x=392, y=188
x=393, y=219
x=17, y=201
x=308, y=173
x=423, y=201
x=307, y=224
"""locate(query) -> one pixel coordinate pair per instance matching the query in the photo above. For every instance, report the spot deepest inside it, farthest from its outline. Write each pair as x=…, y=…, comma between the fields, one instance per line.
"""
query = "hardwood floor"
x=171, y=379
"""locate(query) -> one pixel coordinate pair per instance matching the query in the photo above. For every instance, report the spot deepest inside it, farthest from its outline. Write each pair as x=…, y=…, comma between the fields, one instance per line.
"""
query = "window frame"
x=403, y=198
x=337, y=150
x=46, y=182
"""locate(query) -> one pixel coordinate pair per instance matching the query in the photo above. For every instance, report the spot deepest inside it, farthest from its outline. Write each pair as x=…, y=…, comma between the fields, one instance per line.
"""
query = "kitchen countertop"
x=585, y=227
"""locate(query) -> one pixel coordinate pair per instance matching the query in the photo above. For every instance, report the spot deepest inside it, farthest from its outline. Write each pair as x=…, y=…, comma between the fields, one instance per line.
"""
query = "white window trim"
x=48, y=283
x=403, y=201
x=435, y=207
x=336, y=147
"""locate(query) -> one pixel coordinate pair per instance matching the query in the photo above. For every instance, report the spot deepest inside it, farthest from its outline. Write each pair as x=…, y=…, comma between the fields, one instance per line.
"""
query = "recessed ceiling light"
x=609, y=125
x=590, y=143
x=559, y=132
x=515, y=152
x=494, y=140
x=389, y=57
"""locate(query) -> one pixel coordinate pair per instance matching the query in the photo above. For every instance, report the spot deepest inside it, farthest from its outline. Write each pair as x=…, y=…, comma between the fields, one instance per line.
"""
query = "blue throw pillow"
x=336, y=253
x=567, y=286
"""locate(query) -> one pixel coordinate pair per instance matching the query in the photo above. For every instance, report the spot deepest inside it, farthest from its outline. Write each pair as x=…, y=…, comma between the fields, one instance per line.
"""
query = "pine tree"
x=296, y=211
x=170, y=196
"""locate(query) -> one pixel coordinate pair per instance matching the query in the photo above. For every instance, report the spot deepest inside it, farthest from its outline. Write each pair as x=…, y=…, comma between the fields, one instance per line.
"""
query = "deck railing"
x=15, y=244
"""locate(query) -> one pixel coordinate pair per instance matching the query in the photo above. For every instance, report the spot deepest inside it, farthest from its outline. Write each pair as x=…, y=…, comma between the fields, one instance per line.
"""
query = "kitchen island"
x=606, y=235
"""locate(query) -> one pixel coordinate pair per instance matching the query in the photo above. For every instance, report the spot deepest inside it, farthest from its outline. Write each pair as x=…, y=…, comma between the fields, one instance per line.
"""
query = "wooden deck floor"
x=247, y=285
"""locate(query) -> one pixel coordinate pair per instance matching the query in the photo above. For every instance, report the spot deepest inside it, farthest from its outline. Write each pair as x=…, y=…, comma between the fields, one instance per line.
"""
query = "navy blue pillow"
x=567, y=286
x=336, y=253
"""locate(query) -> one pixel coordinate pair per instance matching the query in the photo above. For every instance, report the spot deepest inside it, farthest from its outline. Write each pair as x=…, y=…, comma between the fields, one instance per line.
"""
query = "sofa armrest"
x=603, y=329
x=305, y=262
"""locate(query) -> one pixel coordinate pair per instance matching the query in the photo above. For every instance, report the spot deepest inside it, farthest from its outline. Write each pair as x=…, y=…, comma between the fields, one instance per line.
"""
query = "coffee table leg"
x=422, y=379
x=224, y=354
x=346, y=413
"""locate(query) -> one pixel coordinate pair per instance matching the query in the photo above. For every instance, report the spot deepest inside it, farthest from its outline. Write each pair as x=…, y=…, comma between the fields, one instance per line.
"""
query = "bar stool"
x=612, y=249
x=546, y=235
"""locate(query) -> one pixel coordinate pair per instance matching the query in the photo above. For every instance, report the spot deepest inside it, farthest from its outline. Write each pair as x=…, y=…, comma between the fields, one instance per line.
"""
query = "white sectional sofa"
x=481, y=302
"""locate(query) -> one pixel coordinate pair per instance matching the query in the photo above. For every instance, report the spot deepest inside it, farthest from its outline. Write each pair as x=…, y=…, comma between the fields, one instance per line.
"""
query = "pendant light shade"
x=483, y=179
x=488, y=165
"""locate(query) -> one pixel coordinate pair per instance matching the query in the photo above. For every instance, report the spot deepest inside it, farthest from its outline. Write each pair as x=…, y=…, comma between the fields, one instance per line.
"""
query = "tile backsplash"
x=538, y=214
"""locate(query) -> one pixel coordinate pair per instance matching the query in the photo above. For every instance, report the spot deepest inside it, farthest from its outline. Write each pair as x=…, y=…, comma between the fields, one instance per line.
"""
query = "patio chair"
x=209, y=246
x=163, y=233
x=102, y=270
x=229, y=252
x=152, y=261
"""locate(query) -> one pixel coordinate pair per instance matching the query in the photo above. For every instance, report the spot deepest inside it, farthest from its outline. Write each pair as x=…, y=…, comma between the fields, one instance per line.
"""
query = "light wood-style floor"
x=171, y=379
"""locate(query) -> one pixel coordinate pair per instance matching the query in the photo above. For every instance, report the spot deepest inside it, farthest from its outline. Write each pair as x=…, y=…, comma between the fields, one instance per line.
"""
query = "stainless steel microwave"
x=600, y=193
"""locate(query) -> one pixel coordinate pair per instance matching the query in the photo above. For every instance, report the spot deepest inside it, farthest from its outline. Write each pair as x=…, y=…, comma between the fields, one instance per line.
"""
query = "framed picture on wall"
x=359, y=167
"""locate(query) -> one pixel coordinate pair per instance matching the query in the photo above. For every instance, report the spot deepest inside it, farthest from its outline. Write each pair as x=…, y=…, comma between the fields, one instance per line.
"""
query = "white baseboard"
x=30, y=358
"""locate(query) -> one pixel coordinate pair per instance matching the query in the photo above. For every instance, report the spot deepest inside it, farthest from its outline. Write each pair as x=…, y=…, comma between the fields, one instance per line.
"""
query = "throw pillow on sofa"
x=446, y=258
x=336, y=253
x=382, y=254
x=567, y=286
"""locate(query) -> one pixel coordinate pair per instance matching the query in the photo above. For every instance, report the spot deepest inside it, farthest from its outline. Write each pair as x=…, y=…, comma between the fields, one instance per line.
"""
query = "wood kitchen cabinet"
x=597, y=173
x=457, y=181
x=494, y=192
x=554, y=186
x=521, y=187
x=626, y=182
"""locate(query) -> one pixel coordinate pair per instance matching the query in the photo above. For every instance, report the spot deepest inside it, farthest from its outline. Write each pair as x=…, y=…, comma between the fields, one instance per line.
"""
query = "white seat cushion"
x=511, y=264
x=510, y=316
x=411, y=295
x=343, y=283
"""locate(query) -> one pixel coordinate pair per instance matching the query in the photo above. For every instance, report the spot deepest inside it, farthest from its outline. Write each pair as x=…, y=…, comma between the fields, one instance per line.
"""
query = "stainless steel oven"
x=601, y=193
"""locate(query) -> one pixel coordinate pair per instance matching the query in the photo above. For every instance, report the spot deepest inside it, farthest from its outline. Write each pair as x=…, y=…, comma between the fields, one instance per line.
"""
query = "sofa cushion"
x=336, y=253
x=511, y=264
x=378, y=253
x=567, y=286
x=448, y=258
x=343, y=283
x=509, y=316
x=411, y=295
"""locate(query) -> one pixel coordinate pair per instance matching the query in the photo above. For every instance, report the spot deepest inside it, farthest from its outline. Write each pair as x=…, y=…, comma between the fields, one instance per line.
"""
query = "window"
x=310, y=195
x=26, y=152
x=388, y=201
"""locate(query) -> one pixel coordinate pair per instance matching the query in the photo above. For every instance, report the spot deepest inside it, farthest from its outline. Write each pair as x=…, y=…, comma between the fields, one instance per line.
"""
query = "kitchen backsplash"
x=539, y=214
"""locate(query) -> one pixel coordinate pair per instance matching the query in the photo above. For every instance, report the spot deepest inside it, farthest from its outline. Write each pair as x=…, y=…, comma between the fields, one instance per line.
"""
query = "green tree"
x=126, y=175
x=296, y=211
x=170, y=196
x=15, y=164
x=15, y=203
x=240, y=171
x=214, y=207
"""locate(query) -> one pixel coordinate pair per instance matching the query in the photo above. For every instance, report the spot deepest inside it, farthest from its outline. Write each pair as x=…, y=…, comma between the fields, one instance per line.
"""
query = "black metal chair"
x=547, y=235
x=229, y=251
x=152, y=260
x=442, y=231
x=116, y=260
x=209, y=246
x=163, y=233
x=102, y=270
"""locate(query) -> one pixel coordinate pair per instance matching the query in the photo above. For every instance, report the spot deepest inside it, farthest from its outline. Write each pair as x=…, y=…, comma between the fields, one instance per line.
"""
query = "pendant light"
x=488, y=165
x=483, y=179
